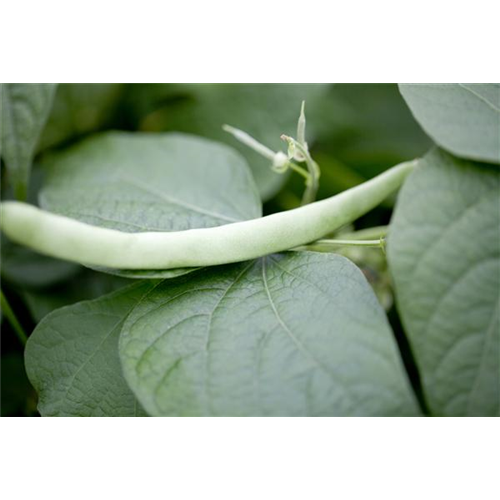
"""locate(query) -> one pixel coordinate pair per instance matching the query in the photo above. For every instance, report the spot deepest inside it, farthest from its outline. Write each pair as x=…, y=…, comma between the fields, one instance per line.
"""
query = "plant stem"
x=331, y=245
x=300, y=170
x=370, y=233
x=279, y=160
x=12, y=319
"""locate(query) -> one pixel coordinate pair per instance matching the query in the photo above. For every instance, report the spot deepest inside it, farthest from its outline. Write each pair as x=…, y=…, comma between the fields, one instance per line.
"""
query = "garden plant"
x=204, y=250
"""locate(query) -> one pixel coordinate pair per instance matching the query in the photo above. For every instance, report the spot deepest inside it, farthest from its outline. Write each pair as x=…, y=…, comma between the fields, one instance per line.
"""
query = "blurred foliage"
x=18, y=396
x=24, y=268
x=379, y=132
x=86, y=285
x=355, y=130
x=80, y=109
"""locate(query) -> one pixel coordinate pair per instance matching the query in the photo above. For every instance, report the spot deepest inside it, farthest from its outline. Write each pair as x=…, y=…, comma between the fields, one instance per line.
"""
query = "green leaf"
x=150, y=182
x=462, y=118
x=72, y=357
x=444, y=253
x=265, y=111
x=24, y=111
x=292, y=334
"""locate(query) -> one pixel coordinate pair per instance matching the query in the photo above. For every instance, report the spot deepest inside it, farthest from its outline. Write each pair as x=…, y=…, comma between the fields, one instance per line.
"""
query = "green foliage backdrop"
x=298, y=333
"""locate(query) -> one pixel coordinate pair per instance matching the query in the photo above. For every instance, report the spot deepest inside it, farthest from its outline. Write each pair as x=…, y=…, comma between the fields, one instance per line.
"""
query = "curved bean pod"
x=68, y=239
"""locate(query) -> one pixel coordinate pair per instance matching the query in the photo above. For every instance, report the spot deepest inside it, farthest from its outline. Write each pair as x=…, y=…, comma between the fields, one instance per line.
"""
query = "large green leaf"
x=72, y=357
x=444, y=253
x=23, y=113
x=293, y=334
x=462, y=118
x=150, y=182
x=266, y=111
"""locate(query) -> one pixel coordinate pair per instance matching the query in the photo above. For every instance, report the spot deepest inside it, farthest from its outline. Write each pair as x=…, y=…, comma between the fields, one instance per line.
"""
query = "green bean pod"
x=68, y=239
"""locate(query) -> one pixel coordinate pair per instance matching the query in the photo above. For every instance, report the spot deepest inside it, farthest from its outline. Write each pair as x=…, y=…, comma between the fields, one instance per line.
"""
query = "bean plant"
x=214, y=261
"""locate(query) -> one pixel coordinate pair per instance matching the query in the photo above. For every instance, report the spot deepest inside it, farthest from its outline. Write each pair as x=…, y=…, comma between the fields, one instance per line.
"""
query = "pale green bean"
x=68, y=239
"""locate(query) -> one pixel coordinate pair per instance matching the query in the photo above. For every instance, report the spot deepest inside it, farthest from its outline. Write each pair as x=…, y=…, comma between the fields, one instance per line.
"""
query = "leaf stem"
x=12, y=319
x=300, y=170
x=351, y=243
x=370, y=233
x=326, y=245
